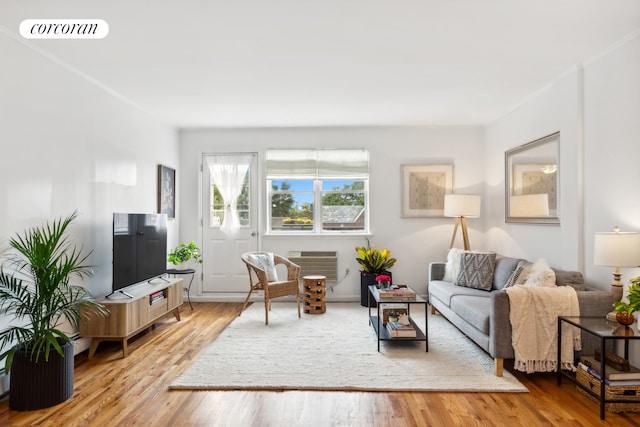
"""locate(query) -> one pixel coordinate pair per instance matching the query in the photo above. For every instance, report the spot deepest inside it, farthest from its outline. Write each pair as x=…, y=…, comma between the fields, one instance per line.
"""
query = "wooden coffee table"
x=377, y=322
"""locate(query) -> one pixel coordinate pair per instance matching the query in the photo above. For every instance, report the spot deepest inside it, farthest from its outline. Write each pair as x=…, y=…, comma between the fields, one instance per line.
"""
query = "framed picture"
x=423, y=189
x=167, y=191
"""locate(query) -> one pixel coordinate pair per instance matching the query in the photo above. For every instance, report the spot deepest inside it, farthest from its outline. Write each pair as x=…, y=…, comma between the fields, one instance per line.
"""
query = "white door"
x=228, y=228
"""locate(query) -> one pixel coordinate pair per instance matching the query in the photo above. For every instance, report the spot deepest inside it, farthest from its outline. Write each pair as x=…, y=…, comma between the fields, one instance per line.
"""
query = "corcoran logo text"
x=64, y=29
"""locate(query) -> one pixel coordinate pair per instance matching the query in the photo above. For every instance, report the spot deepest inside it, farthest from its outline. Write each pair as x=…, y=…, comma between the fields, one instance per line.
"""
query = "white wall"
x=414, y=241
x=68, y=144
x=596, y=109
x=612, y=149
x=555, y=109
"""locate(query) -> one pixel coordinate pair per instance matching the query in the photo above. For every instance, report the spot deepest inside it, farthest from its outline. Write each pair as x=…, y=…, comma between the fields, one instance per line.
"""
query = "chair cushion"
x=265, y=262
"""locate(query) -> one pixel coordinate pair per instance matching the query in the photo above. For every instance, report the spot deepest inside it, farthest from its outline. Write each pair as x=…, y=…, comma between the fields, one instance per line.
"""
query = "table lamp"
x=461, y=206
x=617, y=249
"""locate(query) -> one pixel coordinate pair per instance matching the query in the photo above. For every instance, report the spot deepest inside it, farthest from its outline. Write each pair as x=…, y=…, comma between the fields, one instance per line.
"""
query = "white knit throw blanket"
x=534, y=315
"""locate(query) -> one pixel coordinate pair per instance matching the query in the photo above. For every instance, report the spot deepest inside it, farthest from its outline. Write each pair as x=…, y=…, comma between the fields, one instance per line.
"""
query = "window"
x=217, y=210
x=229, y=189
x=317, y=191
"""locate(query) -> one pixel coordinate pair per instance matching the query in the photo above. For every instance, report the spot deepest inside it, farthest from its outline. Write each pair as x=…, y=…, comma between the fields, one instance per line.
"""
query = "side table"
x=605, y=331
x=190, y=271
x=315, y=290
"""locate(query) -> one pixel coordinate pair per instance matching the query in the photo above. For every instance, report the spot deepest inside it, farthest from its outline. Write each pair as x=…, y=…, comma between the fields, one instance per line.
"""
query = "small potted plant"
x=185, y=252
x=374, y=263
x=625, y=309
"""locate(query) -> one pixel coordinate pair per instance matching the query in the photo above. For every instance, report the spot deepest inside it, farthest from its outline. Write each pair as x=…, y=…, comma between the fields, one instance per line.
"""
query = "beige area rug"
x=337, y=350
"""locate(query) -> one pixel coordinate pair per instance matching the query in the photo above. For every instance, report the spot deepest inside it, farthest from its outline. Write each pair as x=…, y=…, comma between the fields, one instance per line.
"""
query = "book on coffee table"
x=397, y=329
x=399, y=292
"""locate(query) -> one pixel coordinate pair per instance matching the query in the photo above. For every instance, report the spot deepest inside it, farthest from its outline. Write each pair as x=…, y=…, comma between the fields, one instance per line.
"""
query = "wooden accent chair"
x=258, y=281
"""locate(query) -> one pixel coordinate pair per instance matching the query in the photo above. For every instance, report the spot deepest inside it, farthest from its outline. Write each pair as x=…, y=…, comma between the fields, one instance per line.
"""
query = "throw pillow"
x=541, y=275
x=476, y=270
x=452, y=267
x=265, y=262
x=505, y=267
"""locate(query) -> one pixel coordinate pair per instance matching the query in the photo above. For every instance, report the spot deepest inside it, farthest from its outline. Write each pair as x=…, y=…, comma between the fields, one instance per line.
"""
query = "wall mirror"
x=531, y=177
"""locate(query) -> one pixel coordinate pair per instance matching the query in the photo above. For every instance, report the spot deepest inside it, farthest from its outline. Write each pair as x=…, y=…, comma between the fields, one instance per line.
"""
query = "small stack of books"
x=614, y=377
x=397, y=329
x=397, y=292
x=155, y=297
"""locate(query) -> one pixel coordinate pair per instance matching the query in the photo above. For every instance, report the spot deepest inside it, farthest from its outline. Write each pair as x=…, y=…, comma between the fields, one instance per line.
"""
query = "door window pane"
x=217, y=204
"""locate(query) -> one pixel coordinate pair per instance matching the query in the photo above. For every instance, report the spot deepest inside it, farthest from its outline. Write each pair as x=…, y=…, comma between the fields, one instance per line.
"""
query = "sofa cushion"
x=505, y=266
x=473, y=309
x=476, y=270
x=444, y=291
x=575, y=279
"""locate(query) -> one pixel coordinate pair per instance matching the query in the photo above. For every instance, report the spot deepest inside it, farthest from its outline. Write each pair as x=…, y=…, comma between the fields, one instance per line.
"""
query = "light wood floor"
x=111, y=391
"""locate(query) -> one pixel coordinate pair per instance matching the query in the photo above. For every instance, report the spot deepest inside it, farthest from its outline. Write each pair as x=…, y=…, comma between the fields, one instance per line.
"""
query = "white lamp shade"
x=529, y=205
x=617, y=249
x=467, y=205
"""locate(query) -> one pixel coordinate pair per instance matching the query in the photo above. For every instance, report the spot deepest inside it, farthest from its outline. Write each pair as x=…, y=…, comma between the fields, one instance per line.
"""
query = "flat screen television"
x=139, y=248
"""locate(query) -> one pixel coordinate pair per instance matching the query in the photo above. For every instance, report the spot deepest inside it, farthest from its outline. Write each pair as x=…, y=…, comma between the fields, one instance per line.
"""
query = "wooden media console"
x=128, y=316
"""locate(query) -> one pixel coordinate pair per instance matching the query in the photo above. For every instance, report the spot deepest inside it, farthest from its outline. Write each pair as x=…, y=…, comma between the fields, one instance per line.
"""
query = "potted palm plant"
x=36, y=290
x=374, y=263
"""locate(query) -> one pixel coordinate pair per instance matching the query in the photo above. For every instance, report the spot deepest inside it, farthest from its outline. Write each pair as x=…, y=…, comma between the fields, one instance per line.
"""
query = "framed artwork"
x=423, y=189
x=531, y=176
x=167, y=191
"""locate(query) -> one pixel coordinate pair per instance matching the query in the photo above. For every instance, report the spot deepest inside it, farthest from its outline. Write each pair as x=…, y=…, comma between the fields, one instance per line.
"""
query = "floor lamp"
x=617, y=250
x=461, y=206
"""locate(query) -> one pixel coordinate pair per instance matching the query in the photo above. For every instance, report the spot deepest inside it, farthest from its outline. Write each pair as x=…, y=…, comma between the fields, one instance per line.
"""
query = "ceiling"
x=256, y=63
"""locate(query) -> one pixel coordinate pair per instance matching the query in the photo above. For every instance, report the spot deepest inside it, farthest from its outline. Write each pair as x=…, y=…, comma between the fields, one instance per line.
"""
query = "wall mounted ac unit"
x=317, y=263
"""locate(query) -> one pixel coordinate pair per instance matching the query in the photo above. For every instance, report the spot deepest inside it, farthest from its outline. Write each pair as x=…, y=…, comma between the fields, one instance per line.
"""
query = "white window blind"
x=317, y=163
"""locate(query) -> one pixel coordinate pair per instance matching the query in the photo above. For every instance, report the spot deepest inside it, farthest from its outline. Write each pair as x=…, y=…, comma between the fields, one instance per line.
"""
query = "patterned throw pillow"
x=519, y=275
x=265, y=262
x=476, y=270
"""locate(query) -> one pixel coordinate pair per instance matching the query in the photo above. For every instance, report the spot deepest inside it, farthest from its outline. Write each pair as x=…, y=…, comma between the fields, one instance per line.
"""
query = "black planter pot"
x=41, y=384
x=367, y=279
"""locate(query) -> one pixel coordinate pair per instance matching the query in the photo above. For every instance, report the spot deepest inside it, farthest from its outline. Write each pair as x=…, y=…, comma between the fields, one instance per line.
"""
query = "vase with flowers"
x=384, y=281
x=625, y=309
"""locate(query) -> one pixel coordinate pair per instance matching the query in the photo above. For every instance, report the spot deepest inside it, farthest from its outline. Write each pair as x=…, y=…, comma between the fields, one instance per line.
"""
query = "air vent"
x=320, y=263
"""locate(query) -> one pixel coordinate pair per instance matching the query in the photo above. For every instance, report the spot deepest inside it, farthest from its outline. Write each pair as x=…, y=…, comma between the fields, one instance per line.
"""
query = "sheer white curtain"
x=228, y=174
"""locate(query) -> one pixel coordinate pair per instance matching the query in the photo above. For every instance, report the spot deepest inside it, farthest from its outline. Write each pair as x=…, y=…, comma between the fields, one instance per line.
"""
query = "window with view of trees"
x=317, y=191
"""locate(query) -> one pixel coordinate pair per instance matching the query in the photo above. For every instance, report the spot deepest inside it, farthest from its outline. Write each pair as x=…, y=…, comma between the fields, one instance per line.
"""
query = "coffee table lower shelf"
x=380, y=329
x=384, y=335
